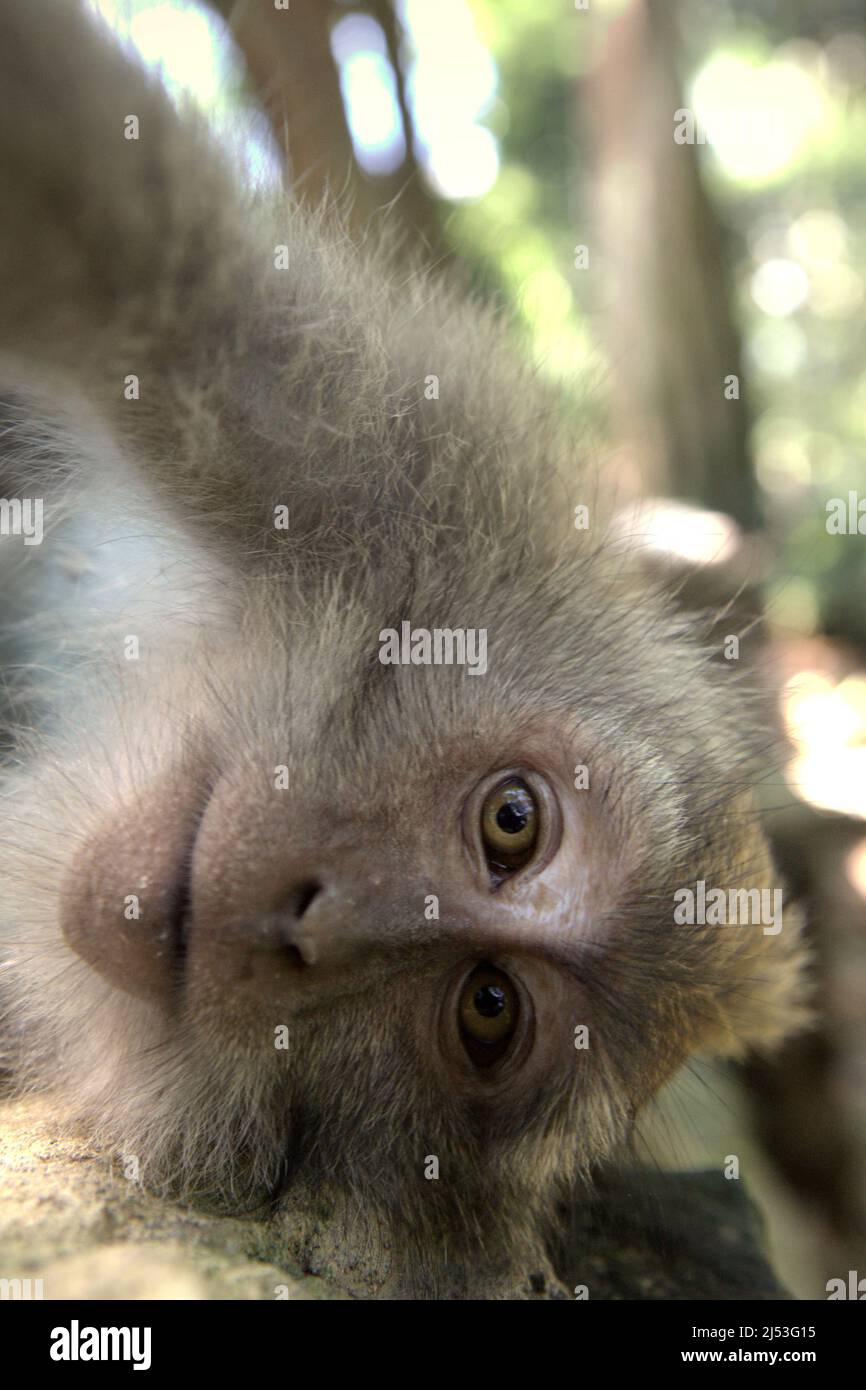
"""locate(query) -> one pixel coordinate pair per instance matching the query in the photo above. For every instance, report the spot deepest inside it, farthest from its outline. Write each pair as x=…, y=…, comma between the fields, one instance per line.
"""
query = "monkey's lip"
x=181, y=913
x=144, y=954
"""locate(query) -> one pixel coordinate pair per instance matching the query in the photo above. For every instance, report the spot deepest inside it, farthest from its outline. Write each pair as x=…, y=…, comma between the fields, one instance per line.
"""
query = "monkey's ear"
x=775, y=992
x=767, y=992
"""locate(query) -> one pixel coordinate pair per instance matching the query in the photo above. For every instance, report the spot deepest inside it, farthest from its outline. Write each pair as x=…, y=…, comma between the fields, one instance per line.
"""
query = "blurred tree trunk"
x=289, y=62
x=418, y=209
x=295, y=78
x=672, y=336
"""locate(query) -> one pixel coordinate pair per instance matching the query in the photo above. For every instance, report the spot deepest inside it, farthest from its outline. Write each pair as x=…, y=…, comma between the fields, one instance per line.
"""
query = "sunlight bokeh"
x=826, y=723
x=757, y=116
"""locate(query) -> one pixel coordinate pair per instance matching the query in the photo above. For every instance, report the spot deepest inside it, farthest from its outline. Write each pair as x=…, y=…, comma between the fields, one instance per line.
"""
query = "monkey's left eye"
x=509, y=825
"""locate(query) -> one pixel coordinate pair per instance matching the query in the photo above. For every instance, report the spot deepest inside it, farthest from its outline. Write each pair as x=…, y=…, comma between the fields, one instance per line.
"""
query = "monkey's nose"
x=298, y=921
x=162, y=895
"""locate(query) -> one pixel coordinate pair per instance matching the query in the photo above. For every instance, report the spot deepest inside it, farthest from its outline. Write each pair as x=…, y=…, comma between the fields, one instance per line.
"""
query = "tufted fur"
x=306, y=387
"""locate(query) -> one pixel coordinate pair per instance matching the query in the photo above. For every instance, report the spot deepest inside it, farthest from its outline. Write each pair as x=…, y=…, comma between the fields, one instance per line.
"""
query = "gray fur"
x=306, y=387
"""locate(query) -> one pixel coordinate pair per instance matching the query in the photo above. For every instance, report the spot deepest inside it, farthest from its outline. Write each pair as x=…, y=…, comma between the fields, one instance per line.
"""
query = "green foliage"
x=792, y=200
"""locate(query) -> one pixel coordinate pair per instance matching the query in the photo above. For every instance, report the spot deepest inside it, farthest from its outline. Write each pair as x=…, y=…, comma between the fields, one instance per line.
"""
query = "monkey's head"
x=393, y=946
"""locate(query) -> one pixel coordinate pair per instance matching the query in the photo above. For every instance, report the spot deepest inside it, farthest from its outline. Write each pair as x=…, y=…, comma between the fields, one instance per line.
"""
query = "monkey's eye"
x=488, y=1010
x=509, y=825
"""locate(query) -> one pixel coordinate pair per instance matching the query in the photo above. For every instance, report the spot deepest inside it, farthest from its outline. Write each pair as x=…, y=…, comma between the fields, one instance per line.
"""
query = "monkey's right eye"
x=488, y=1011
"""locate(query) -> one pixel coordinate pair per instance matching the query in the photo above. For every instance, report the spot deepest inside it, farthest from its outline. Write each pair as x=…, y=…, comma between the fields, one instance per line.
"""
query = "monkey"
x=383, y=947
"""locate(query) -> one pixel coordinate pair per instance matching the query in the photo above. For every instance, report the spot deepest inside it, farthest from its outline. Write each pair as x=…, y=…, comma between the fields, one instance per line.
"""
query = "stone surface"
x=668, y=1236
x=69, y=1217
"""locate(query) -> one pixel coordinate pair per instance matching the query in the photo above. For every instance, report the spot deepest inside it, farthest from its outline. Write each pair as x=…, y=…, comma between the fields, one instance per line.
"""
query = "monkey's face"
x=401, y=939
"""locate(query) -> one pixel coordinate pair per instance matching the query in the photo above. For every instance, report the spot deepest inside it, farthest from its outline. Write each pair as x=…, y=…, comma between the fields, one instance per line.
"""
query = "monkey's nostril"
x=301, y=948
x=303, y=896
x=295, y=955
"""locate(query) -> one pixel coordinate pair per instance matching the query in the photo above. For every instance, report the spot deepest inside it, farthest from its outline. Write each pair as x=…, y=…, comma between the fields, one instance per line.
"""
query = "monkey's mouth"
x=181, y=913
x=299, y=1126
x=181, y=910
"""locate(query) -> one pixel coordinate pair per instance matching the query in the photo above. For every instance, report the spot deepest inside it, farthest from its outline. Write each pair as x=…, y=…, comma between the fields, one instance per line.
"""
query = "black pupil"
x=489, y=1001
x=511, y=818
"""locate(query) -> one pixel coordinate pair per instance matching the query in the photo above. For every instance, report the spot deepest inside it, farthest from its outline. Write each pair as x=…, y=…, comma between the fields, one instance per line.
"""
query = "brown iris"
x=509, y=825
x=488, y=1010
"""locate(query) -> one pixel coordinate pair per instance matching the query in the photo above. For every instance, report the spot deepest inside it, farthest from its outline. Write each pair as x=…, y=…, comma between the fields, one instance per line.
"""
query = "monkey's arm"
x=117, y=253
x=142, y=258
